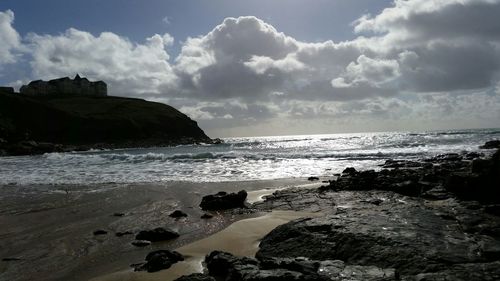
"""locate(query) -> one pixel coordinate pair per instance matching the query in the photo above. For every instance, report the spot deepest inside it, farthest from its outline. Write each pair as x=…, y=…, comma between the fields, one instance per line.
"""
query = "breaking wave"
x=238, y=158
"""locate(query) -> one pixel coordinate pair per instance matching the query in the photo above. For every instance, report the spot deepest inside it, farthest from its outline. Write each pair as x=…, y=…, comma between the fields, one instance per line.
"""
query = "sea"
x=239, y=159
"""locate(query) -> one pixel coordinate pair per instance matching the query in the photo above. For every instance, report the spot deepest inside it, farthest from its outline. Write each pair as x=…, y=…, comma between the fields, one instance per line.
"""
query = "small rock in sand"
x=158, y=260
x=177, y=214
x=157, y=234
x=206, y=216
x=100, y=232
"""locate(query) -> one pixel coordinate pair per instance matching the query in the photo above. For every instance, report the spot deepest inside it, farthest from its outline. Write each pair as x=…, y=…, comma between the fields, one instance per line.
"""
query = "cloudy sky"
x=272, y=67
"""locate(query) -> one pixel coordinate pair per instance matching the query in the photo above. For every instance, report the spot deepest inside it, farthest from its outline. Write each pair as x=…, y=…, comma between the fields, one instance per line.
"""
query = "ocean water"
x=239, y=159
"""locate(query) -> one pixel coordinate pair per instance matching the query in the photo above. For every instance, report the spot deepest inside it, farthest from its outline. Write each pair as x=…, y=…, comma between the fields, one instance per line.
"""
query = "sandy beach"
x=48, y=230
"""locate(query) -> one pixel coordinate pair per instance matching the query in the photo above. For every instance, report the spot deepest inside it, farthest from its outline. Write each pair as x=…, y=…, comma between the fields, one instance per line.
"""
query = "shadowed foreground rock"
x=416, y=218
x=224, y=266
x=432, y=219
x=158, y=260
x=224, y=201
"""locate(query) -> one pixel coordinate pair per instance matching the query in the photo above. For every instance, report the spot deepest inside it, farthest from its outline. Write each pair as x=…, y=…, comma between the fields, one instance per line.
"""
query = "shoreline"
x=50, y=230
x=240, y=238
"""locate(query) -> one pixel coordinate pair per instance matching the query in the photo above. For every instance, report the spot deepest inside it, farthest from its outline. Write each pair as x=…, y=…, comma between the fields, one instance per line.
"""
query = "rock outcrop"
x=224, y=201
x=413, y=221
x=416, y=218
x=159, y=260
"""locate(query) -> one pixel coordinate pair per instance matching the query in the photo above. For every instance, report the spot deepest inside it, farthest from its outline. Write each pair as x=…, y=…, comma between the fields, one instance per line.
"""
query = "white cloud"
x=10, y=40
x=424, y=60
x=128, y=67
x=375, y=72
x=167, y=20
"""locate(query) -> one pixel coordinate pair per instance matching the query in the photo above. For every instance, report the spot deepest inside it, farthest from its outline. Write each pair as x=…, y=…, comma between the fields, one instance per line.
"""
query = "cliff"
x=30, y=125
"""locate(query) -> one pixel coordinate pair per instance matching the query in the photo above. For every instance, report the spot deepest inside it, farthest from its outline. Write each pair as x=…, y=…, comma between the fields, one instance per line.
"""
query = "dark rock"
x=141, y=243
x=453, y=236
x=100, y=232
x=120, y=234
x=195, y=277
x=404, y=236
x=224, y=266
x=11, y=259
x=491, y=144
x=178, y=214
x=206, y=216
x=217, y=141
x=313, y=179
x=157, y=234
x=159, y=260
x=409, y=188
x=224, y=201
x=349, y=171
x=493, y=209
x=118, y=214
x=481, y=166
x=483, y=186
x=446, y=157
x=477, y=271
x=473, y=155
x=299, y=264
x=338, y=270
x=391, y=164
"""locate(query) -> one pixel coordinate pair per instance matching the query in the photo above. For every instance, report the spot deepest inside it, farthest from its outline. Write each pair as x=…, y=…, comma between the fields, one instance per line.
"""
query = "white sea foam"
x=238, y=158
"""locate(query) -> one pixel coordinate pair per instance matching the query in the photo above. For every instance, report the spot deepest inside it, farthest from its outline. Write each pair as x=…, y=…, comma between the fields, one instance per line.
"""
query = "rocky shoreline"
x=31, y=147
x=434, y=219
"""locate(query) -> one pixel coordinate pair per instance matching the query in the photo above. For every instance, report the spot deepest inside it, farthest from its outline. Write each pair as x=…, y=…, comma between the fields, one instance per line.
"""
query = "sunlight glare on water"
x=238, y=159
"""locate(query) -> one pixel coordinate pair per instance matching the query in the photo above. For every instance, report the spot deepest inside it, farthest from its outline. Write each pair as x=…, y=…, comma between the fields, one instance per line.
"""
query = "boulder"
x=225, y=266
x=491, y=144
x=349, y=171
x=100, y=232
x=207, y=216
x=224, y=201
x=157, y=234
x=159, y=260
x=178, y=214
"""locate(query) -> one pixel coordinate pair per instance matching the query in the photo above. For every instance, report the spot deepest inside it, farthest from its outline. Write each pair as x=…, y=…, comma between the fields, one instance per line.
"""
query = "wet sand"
x=241, y=238
x=50, y=228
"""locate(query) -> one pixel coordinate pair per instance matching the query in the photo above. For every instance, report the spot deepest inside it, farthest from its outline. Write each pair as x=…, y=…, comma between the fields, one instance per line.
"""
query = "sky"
x=272, y=67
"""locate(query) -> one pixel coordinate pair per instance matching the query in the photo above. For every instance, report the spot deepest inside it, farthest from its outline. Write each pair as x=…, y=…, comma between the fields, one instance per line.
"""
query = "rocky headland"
x=68, y=115
x=431, y=219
